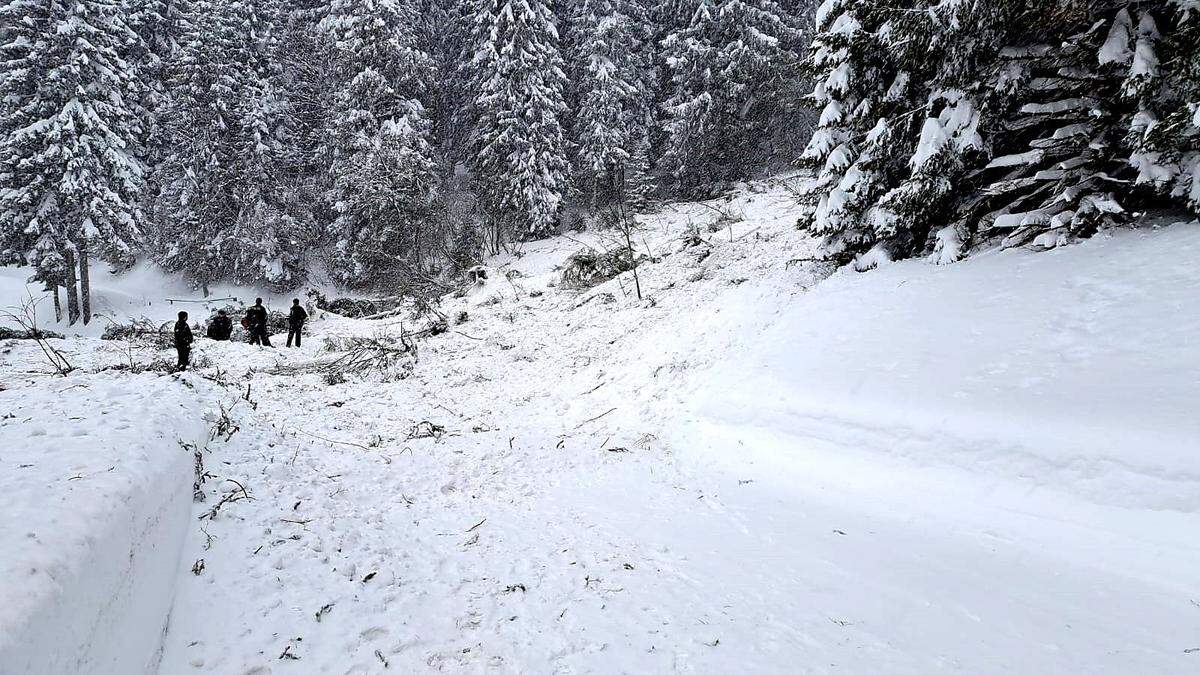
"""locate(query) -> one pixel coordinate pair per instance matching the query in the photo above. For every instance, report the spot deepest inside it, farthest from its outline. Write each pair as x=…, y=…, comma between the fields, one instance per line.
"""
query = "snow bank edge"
x=110, y=606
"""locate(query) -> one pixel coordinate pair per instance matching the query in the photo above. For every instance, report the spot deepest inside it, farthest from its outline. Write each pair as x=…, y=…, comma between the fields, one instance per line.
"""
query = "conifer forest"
x=395, y=141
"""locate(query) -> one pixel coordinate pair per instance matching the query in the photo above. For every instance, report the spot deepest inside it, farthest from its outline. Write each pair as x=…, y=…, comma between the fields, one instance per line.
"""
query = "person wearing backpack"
x=220, y=328
x=256, y=324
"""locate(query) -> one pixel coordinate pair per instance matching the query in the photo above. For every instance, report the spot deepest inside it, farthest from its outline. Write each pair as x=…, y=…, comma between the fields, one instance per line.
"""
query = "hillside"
x=988, y=467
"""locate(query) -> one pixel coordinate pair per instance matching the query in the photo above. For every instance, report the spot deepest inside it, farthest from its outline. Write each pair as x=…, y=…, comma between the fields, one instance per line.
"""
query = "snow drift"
x=1074, y=370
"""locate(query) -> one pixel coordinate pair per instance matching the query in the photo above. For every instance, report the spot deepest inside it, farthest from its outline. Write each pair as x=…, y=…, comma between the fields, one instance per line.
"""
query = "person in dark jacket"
x=183, y=340
x=296, y=319
x=256, y=320
x=221, y=327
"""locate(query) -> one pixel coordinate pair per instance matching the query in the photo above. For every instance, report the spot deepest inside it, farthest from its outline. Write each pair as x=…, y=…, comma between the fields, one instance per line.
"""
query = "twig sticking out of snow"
x=235, y=495
x=25, y=316
x=323, y=611
x=330, y=440
x=593, y=419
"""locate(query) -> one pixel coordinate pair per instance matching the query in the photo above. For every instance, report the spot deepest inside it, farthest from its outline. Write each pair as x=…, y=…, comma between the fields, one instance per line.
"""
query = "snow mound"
x=1073, y=369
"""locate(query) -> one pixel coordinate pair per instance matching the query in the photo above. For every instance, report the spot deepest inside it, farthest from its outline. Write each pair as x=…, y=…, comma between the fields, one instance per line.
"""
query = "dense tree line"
x=388, y=141
x=244, y=139
x=952, y=124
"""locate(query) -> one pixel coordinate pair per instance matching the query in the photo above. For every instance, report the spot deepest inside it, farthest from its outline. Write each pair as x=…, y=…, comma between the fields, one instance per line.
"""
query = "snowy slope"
x=1077, y=370
x=986, y=467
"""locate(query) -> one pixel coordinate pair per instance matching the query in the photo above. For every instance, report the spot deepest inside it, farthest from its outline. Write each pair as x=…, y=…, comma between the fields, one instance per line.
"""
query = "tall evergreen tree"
x=863, y=94
x=384, y=173
x=70, y=174
x=1152, y=48
x=224, y=209
x=729, y=63
x=518, y=151
x=444, y=36
x=968, y=121
x=1057, y=165
x=612, y=77
x=303, y=74
x=156, y=24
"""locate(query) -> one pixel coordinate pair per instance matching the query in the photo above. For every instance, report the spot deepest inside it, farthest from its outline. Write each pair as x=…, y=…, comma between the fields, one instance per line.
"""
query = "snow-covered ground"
x=989, y=467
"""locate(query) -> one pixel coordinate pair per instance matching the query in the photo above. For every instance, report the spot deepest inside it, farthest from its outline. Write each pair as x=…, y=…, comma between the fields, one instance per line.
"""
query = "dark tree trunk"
x=57, y=303
x=72, y=290
x=85, y=284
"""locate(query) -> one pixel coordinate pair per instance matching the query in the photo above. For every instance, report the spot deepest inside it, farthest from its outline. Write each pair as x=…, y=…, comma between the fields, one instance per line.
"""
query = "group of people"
x=256, y=322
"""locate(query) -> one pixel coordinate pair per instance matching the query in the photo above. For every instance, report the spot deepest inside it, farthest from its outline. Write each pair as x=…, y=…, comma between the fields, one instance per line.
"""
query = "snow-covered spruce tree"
x=70, y=177
x=384, y=174
x=225, y=207
x=197, y=178
x=612, y=81
x=15, y=82
x=1154, y=48
x=443, y=34
x=156, y=24
x=867, y=106
x=639, y=181
x=1056, y=168
x=941, y=53
x=303, y=72
x=964, y=122
x=728, y=64
x=446, y=33
x=519, y=157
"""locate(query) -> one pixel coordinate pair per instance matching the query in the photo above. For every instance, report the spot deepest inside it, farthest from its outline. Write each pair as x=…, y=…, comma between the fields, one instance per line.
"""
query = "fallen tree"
x=391, y=357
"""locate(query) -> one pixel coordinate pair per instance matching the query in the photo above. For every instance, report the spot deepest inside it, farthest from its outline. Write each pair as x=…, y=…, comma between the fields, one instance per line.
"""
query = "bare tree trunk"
x=627, y=225
x=57, y=303
x=417, y=243
x=72, y=290
x=85, y=284
x=637, y=282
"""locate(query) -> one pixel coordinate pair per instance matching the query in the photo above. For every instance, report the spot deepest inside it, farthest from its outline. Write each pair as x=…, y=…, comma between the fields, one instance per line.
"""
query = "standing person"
x=256, y=318
x=221, y=327
x=183, y=340
x=296, y=319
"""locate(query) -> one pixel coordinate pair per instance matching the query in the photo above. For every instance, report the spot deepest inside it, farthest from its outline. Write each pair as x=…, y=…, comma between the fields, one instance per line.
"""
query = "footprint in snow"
x=373, y=633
